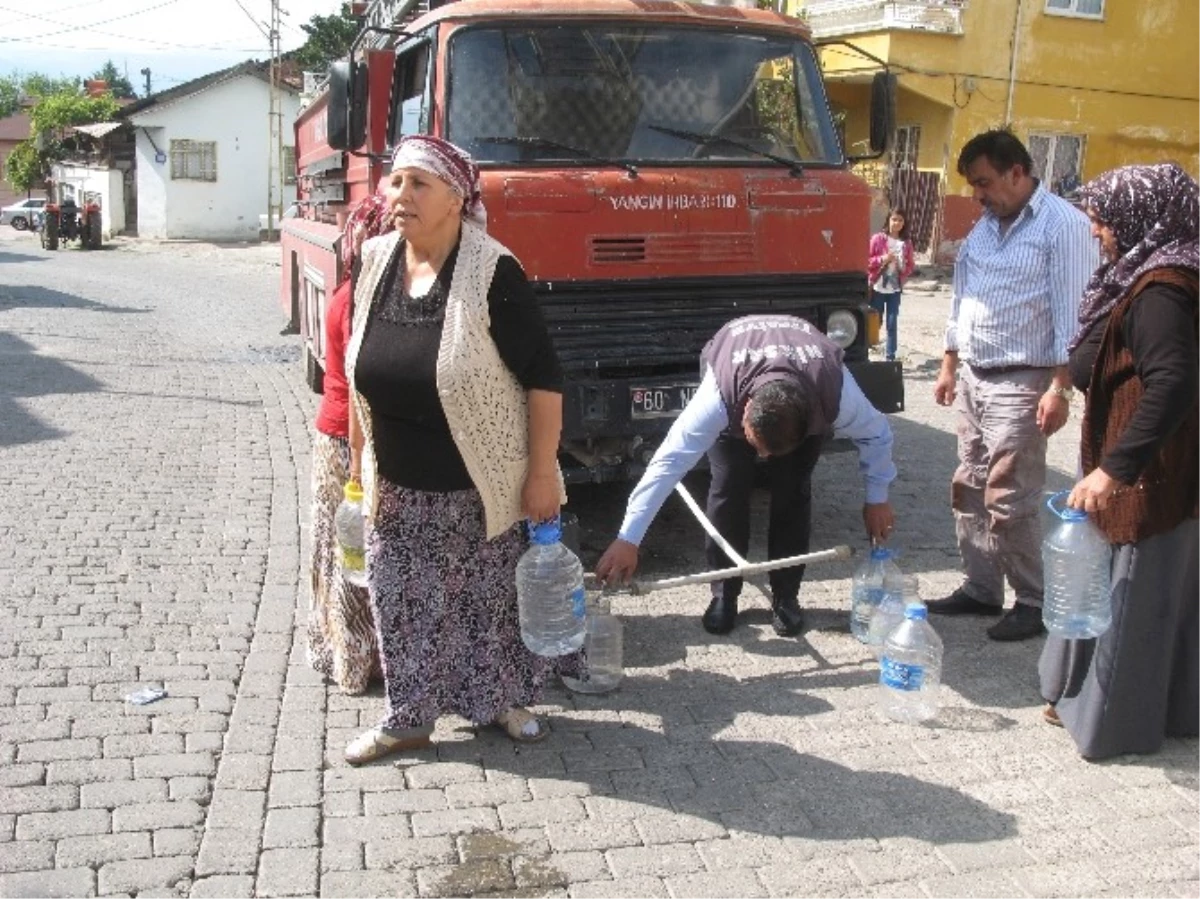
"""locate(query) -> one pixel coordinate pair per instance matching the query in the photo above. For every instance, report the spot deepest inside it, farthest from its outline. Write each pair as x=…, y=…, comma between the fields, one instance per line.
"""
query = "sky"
x=178, y=40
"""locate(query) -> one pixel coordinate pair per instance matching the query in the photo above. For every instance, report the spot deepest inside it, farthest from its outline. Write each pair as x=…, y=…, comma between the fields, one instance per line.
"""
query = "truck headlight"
x=842, y=328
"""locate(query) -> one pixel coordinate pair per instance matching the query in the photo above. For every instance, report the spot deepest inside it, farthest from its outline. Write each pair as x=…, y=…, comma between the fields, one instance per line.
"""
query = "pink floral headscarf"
x=445, y=161
x=371, y=216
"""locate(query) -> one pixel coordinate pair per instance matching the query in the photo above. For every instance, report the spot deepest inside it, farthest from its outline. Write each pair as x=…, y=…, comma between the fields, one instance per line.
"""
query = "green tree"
x=329, y=39
x=50, y=138
x=117, y=83
x=18, y=86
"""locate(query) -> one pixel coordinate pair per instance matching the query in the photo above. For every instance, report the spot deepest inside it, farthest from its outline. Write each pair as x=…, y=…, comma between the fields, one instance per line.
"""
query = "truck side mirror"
x=346, y=114
x=883, y=111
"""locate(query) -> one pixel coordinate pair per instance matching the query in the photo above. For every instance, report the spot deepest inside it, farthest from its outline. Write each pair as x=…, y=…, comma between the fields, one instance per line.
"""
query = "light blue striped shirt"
x=704, y=418
x=1016, y=296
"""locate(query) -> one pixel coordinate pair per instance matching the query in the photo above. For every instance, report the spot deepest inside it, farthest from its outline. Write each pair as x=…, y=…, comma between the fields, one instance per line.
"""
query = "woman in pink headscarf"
x=341, y=631
x=457, y=400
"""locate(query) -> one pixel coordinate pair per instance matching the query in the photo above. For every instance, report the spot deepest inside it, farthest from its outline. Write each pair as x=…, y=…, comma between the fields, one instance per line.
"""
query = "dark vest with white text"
x=752, y=351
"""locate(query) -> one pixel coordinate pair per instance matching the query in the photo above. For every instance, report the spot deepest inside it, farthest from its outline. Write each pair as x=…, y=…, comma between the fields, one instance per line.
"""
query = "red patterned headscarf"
x=371, y=216
x=1152, y=210
x=445, y=161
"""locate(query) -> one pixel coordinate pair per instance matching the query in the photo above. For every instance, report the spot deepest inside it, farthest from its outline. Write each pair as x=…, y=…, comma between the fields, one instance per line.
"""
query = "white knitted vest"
x=484, y=403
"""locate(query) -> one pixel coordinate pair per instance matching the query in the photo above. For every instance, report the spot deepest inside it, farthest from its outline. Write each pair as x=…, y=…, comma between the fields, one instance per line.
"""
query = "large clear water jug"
x=550, y=596
x=348, y=527
x=603, y=649
x=866, y=592
x=898, y=594
x=1078, y=562
x=910, y=670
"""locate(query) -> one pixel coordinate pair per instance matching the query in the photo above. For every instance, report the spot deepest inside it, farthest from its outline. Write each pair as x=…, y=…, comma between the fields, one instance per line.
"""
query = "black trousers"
x=731, y=462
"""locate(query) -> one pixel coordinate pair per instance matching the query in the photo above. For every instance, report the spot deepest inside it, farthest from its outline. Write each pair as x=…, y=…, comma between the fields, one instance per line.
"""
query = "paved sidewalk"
x=154, y=451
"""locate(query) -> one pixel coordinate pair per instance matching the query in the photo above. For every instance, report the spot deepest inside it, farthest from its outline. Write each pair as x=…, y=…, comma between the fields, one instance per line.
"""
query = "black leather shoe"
x=1021, y=623
x=720, y=615
x=959, y=603
x=787, y=619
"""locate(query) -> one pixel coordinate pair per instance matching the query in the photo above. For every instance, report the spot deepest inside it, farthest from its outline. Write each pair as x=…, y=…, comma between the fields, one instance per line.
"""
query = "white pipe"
x=1012, y=69
x=708, y=526
x=838, y=552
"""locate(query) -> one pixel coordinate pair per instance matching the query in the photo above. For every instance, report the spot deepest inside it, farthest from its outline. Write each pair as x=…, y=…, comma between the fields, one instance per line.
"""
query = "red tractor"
x=66, y=220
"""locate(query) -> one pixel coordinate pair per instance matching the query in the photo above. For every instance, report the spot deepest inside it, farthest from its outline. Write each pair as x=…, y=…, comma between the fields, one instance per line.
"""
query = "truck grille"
x=620, y=329
x=671, y=249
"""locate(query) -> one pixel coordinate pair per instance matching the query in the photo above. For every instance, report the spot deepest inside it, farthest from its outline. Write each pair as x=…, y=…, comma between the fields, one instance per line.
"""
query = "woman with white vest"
x=457, y=397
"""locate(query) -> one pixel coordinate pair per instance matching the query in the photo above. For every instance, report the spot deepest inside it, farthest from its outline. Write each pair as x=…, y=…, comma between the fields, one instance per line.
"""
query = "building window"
x=193, y=160
x=289, y=165
x=1057, y=161
x=1088, y=9
x=906, y=149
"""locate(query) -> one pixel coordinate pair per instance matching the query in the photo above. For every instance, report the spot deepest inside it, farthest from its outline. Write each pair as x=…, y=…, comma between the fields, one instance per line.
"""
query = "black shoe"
x=959, y=603
x=1021, y=623
x=786, y=618
x=720, y=615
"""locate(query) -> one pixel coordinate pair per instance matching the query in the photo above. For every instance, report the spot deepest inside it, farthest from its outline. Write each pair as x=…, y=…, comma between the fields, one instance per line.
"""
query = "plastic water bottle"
x=1077, y=560
x=603, y=650
x=910, y=671
x=348, y=526
x=550, y=597
x=867, y=589
x=898, y=594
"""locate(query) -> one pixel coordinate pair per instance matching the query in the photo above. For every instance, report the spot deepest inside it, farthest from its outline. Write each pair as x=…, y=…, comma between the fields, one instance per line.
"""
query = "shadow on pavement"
x=30, y=296
x=6, y=257
x=699, y=762
x=25, y=373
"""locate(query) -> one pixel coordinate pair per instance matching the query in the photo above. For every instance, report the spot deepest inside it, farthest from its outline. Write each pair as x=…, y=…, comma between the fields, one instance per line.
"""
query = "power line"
x=257, y=24
x=938, y=73
x=63, y=9
x=130, y=37
x=89, y=26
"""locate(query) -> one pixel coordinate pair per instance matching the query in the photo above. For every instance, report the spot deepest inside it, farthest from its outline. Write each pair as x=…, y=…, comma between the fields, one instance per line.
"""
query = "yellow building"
x=1086, y=84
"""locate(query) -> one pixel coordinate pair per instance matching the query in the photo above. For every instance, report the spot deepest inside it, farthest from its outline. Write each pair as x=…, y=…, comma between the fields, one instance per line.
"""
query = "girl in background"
x=890, y=263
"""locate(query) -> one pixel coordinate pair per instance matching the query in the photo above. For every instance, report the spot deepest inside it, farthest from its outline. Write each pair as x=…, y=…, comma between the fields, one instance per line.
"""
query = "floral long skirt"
x=341, y=627
x=445, y=603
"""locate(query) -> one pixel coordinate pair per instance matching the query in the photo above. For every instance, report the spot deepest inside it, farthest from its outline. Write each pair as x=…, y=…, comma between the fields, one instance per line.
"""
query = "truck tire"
x=314, y=375
x=50, y=232
x=92, y=230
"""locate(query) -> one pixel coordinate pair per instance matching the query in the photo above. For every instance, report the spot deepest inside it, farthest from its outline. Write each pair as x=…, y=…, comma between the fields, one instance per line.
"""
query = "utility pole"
x=275, y=141
x=146, y=75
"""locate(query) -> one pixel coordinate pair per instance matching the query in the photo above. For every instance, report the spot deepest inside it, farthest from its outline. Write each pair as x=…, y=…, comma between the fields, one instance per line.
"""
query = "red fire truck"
x=658, y=168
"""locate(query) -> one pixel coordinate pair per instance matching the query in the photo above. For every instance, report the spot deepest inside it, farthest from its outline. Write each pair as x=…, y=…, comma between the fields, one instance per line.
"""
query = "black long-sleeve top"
x=397, y=370
x=1159, y=331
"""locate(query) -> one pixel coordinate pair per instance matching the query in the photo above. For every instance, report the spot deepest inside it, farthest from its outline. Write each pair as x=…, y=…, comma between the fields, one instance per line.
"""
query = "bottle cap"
x=545, y=533
x=353, y=491
x=916, y=611
x=879, y=553
x=1069, y=514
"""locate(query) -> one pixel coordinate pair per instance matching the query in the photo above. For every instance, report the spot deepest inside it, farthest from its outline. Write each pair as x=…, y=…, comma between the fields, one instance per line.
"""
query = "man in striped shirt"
x=1017, y=283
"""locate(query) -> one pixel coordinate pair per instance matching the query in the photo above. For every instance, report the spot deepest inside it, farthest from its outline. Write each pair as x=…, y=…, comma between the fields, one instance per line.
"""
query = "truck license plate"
x=664, y=401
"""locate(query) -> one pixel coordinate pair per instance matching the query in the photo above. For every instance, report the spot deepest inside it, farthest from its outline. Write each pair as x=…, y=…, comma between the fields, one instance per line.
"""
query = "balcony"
x=835, y=18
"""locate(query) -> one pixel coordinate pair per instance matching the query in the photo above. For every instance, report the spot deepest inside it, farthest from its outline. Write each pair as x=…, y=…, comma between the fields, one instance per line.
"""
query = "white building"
x=202, y=155
x=85, y=183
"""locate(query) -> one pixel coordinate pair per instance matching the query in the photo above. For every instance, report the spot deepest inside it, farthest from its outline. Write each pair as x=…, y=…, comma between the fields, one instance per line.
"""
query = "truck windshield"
x=643, y=95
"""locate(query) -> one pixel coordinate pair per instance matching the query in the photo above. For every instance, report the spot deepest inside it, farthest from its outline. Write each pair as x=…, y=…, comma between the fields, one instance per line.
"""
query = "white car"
x=20, y=215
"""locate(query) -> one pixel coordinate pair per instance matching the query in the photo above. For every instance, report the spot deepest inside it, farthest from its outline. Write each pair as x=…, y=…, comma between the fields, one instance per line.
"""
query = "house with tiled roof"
x=201, y=163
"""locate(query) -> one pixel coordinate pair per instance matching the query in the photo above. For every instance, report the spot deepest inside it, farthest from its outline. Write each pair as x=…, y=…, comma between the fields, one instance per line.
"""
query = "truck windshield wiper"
x=548, y=144
x=793, y=166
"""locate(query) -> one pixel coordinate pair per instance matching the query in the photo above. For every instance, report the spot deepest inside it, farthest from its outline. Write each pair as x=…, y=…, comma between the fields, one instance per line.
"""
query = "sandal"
x=522, y=725
x=381, y=741
x=1050, y=716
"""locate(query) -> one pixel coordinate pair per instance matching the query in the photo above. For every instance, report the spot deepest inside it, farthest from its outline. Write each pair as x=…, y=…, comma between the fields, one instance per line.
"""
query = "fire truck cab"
x=658, y=168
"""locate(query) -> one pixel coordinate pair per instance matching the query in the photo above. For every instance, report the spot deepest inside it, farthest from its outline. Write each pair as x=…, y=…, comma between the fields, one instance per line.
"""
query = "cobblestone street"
x=154, y=458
